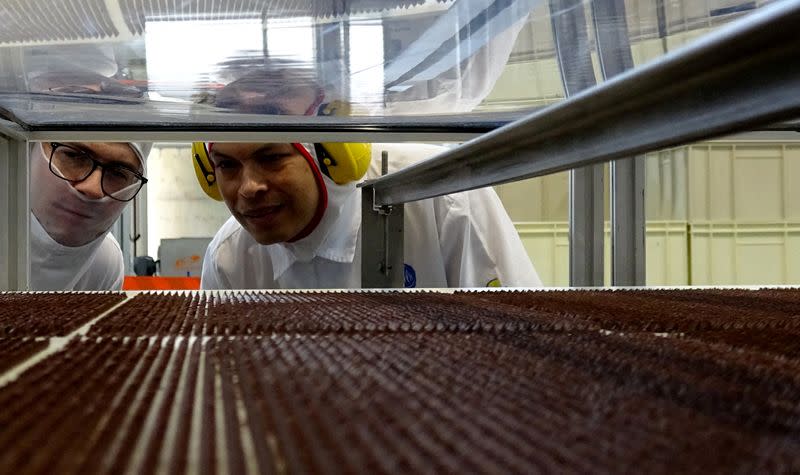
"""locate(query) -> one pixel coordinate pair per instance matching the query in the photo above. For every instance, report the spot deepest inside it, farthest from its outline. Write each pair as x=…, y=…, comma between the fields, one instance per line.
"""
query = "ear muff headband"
x=342, y=162
x=205, y=171
x=323, y=194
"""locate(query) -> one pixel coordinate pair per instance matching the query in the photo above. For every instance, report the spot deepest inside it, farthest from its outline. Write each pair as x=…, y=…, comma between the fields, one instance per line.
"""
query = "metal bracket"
x=381, y=243
x=381, y=239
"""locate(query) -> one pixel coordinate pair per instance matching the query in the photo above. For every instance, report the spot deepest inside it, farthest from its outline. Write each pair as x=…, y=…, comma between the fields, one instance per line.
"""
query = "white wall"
x=176, y=205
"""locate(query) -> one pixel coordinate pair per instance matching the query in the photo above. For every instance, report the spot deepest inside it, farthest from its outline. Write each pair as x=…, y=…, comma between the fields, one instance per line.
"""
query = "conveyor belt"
x=51, y=314
x=255, y=313
x=389, y=382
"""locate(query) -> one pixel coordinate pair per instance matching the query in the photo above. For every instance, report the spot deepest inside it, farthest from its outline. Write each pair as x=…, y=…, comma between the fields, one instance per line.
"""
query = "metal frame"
x=738, y=78
x=586, y=183
x=14, y=215
x=134, y=121
x=189, y=135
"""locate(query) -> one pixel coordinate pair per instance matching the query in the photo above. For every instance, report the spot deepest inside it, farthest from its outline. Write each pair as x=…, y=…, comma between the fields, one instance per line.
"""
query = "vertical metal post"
x=135, y=234
x=381, y=239
x=628, y=226
x=125, y=232
x=143, y=243
x=585, y=184
x=661, y=19
x=14, y=215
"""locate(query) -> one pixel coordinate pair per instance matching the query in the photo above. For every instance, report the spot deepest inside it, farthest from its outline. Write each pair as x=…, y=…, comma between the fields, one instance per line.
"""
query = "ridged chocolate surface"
x=15, y=350
x=252, y=313
x=51, y=313
x=510, y=382
x=766, y=320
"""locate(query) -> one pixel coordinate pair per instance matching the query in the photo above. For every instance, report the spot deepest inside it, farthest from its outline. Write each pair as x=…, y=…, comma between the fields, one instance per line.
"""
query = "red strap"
x=323, y=194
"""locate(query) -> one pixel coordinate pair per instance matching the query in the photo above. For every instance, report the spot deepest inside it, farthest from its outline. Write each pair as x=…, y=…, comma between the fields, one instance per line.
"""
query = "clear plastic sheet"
x=173, y=63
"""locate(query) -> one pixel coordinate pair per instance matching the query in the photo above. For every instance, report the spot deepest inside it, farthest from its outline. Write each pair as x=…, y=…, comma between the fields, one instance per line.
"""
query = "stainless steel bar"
x=183, y=133
x=740, y=77
x=388, y=133
x=586, y=189
x=628, y=259
x=586, y=186
x=628, y=267
x=14, y=215
x=7, y=228
x=157, y=122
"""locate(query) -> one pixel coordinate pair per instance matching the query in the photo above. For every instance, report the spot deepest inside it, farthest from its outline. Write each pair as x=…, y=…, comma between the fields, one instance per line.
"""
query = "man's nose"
x=91, y=187
x=253, y=182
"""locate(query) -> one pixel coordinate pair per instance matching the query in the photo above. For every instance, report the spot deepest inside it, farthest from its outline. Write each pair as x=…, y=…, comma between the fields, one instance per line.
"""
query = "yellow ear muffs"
x=205, y=170
x=344, y=162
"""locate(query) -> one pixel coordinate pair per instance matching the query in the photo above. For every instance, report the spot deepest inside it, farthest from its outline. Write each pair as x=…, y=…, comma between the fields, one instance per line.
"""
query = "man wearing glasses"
x=78, y=190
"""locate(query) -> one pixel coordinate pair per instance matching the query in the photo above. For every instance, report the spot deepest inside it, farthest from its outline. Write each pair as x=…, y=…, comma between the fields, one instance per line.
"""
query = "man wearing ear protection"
x=294, y=226
x=297, y=211
x=77, y=192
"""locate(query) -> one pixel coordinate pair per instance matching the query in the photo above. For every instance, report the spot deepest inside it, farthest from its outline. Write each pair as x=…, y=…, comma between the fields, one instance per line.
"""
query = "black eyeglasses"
x=74, y=165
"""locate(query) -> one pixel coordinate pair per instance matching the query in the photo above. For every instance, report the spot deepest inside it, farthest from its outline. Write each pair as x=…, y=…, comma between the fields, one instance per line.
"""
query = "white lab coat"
x=460, y=240
x=97, y=265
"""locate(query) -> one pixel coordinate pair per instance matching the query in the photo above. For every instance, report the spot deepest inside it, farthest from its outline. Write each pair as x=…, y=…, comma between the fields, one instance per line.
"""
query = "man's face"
x=78, y=216
x=269, y=188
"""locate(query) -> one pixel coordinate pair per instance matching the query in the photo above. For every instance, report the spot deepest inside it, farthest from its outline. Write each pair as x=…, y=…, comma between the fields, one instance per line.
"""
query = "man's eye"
x=273, y=157
x=119, y=173
x=73, y=154
x=226, y=164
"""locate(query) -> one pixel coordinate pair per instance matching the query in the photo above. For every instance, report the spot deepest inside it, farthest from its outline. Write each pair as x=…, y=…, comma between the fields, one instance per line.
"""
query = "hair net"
x=142, y=150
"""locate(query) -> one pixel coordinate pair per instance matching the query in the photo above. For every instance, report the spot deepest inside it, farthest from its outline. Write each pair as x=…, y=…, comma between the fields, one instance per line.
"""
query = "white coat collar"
x=335, y=236
x=55, y=266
